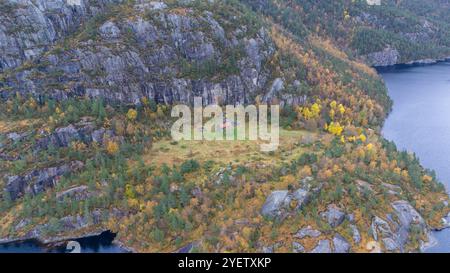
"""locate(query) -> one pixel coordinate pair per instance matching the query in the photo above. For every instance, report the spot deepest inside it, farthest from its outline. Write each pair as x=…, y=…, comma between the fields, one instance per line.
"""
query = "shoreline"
x=416, y=63
x=445, y=221
x=61, y=240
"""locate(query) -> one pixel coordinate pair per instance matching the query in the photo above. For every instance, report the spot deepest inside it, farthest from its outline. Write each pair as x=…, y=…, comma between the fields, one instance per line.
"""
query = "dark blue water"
x=420, y=121
x=93, y=244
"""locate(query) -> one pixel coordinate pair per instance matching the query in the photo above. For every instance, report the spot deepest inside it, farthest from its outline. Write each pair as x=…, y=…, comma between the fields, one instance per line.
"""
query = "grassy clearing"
x=169, y=152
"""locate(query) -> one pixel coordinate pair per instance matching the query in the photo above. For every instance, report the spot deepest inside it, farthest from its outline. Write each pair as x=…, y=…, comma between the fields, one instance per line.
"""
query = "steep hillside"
x=394, y=32
x=169, y=53
x=29, y=28
x=163, y=52
x=85, y=143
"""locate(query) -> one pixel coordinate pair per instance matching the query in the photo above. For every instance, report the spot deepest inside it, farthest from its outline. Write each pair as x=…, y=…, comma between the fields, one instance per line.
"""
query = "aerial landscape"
x=357, y=134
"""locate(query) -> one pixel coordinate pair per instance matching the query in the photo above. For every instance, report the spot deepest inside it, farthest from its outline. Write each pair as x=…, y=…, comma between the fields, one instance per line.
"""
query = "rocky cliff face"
x=30, y=28
x=38, y=181
x=128, y=50
x=402, y=225
x=386, y=57
x=141, y=50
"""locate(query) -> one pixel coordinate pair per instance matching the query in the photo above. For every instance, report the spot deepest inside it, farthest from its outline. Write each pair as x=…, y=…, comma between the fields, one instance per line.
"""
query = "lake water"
x=93, y=244
x=420, y=121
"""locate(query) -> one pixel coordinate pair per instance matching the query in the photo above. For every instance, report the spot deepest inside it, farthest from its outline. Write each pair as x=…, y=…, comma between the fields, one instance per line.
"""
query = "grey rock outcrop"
x=333, y=215
x=322, y=247
x=395, y=233
x=267, y=249
x=276, y=87
x=188, y=248
x=14, y=136
x=307, y=232
x=7, y=157
x=38, y=181
x=65, y=224
x=355, y=234
x=23, y=223
x=275, y=203
x=408, y=219
x=28, y=28
x=279, y=203
x=76, y=193
x=63, y=137
x=133, y=58
x=297, y=247
x=392, y=189
x=380, y=228
x=341, y=245
x=390, y=244
x=73, y=222
x=387, y=57
x=364, y=186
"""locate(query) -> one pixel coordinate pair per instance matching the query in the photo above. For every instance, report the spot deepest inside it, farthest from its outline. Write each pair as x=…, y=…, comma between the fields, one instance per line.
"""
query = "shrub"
x=307, y=159
x=189, y=166
x=112, y=147
x=157, y=235
x=132, y=115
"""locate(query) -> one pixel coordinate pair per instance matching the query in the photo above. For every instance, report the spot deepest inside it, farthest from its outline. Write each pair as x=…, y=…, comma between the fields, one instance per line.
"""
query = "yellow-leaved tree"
x=132, y=115
x=112, y=147
x=335, y=128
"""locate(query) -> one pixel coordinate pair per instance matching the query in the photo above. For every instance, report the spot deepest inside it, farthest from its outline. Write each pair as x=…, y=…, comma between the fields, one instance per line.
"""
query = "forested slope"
x=85, y=144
